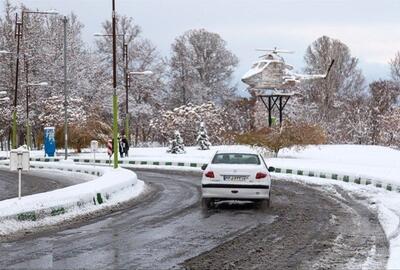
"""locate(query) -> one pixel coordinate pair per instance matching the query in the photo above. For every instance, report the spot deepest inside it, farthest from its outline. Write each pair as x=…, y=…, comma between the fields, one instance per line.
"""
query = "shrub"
x=297, y=134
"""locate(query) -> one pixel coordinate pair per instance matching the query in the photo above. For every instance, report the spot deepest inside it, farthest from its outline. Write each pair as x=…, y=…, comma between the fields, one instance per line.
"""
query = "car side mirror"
x=204, y=166
x=271, y=169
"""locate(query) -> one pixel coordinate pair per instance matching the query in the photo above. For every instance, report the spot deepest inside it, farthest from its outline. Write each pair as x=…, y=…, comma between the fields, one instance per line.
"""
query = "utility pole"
x=127, y=135
x=65, y=21
x=115, y=99
x=28, y=130
x=18, y=35
x=126, y=75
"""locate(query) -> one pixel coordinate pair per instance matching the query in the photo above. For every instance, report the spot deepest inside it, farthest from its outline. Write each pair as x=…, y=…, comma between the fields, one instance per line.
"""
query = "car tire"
x=267, y=203
x=263, y=204
x=207, y=203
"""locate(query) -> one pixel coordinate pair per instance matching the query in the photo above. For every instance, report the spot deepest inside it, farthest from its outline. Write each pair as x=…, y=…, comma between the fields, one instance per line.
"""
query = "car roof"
x=236, y=151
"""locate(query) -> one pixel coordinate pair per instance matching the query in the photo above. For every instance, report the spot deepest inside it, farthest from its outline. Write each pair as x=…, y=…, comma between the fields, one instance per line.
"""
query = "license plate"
x=235, y=177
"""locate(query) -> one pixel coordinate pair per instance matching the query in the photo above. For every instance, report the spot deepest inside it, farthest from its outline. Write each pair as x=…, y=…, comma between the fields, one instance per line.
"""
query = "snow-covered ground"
x=385, y=203
x=113, y=186
x=374, y=162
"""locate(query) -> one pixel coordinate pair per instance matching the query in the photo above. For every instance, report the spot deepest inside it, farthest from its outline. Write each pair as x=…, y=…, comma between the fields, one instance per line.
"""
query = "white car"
x=236, y=175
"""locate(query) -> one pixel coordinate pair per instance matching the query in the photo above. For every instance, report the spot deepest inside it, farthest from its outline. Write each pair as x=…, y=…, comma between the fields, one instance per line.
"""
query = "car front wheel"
x=207, y=203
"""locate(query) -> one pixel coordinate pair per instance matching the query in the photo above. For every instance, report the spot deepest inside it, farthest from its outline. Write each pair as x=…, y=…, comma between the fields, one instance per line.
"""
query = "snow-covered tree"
x=202, y=137
x=187, y=118
x=176, y=145
x=41, y=60
x=383, y=97
x=201, y=69
x=146, y=93
x=390, y=131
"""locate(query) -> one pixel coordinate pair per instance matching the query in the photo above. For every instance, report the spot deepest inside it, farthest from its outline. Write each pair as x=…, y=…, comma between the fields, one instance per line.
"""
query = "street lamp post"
x=65, y=21
x=126, y=61
x=126, y=93
x=28, y=132
x=115, y=100
x=18, y=35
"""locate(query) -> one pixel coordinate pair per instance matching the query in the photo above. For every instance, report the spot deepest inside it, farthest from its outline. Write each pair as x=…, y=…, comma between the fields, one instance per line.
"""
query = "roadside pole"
x=65, y=20
x=19, y=161
x=94, y=145
x=115, y=98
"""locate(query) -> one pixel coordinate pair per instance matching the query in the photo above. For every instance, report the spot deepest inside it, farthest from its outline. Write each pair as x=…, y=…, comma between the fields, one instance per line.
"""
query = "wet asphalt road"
x=31, y=184
x=169, y=227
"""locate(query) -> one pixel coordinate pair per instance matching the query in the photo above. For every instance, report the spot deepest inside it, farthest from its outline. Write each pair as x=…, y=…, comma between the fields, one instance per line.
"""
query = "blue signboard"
x=49, y=141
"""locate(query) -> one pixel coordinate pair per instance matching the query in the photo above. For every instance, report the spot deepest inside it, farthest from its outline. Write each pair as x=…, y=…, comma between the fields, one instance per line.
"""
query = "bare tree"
x=395, y=67
x=343, y=82
x=201, y=69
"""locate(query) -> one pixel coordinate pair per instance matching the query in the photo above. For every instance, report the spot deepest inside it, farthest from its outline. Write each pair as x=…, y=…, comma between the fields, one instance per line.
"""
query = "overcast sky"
x=371, y=28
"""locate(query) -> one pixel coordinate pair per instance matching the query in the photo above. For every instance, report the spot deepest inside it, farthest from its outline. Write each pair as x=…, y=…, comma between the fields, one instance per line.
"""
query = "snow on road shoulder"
x=68, y=178
x=385, y=203
x=114, y=186
x=375, y=162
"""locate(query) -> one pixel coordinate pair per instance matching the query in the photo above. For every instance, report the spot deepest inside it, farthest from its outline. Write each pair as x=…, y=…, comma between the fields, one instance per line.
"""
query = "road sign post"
x=19, y=161
x=110, y=150
x=94, y=145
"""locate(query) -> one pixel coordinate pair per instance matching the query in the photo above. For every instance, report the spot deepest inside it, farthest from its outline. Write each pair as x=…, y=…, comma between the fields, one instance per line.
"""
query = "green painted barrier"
x=57, y=211
x=27, y=216
x=99, y=198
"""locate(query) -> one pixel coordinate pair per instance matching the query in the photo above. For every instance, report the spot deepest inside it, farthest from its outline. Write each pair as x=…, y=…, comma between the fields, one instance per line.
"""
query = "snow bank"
x=111, y=187
x=385, y=203
x=377, y=164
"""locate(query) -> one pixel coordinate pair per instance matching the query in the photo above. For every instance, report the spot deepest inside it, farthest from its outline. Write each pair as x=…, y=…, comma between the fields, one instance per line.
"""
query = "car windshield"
x=234, y=158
